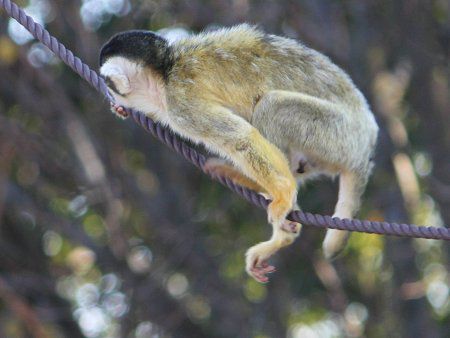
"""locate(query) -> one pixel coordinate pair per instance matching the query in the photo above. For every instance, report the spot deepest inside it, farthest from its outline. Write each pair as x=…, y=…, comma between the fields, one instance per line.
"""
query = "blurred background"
x=104, y=232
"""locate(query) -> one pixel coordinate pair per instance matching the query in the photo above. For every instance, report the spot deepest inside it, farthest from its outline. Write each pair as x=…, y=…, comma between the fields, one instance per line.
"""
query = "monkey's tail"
x=351, y=186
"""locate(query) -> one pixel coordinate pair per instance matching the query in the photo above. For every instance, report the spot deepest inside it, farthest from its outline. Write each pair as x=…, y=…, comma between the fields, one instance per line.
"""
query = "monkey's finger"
x=260, y=275
x=261, y=264
x=122, y=112
x=119, y=110
x=268, y=269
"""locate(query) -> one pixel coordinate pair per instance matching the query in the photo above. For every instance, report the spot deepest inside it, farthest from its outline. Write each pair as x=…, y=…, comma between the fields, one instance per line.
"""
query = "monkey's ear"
x=121, y=82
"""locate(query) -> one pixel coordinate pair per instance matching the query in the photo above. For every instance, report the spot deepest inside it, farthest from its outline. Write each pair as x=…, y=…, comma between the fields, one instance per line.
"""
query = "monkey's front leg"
x=265, y=164
x=256, y=263
x=234, y=138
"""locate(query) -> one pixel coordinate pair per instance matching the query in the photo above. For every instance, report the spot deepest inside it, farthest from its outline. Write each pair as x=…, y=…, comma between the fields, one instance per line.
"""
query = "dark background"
x=106, y=233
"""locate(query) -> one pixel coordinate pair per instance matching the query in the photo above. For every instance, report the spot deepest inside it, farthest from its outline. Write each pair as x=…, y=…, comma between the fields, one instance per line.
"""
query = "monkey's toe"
x=259, y=272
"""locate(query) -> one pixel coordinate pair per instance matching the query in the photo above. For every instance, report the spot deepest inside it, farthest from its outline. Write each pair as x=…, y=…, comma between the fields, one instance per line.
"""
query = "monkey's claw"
x=118, y=110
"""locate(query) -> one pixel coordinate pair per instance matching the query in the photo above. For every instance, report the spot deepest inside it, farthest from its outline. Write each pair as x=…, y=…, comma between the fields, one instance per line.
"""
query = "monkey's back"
x=236, y=66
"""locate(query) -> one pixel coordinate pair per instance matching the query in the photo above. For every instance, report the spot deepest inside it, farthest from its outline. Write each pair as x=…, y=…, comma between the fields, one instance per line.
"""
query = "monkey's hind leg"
x=321, y=130
x=257, y=256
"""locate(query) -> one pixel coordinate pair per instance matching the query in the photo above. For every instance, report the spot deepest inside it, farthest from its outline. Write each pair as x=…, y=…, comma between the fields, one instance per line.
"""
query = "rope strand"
x=178, y=145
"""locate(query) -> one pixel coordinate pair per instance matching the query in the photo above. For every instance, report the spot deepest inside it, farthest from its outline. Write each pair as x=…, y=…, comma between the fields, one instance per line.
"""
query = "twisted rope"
x=175, y=143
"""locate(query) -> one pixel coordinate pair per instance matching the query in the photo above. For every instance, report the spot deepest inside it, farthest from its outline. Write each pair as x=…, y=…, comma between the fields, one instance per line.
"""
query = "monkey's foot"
x=119, y=111
x=256, y=261
x=259, y=272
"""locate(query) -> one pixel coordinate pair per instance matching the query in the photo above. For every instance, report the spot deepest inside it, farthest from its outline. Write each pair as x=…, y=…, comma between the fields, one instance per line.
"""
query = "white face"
x=134, y=86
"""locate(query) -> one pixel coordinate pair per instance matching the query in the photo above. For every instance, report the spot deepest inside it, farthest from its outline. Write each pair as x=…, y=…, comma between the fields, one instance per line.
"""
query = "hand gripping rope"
x=171, y=140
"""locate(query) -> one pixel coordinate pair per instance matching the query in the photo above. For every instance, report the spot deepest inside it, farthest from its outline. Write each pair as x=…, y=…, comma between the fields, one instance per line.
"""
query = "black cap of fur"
x=140, y=46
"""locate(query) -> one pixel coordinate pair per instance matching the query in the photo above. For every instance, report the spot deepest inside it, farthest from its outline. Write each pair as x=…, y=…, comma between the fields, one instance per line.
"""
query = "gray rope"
x=174, y=142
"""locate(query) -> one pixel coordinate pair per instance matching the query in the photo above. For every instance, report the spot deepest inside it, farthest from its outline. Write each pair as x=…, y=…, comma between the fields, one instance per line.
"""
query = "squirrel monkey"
x=276, y=111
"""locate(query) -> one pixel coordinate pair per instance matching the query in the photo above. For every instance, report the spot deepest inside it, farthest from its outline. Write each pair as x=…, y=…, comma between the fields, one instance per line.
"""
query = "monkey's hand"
x=256, y=260
x=119, y=111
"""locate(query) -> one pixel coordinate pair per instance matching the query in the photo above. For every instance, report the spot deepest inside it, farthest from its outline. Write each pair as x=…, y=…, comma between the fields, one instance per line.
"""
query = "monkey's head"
x=135, y=65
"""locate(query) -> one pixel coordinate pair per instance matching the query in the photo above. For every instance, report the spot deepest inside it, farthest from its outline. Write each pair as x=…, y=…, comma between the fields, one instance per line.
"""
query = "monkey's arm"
x=237, y=140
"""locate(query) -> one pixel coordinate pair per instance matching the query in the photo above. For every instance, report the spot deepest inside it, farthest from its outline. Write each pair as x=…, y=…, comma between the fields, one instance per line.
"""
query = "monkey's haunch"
x=171, y=140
